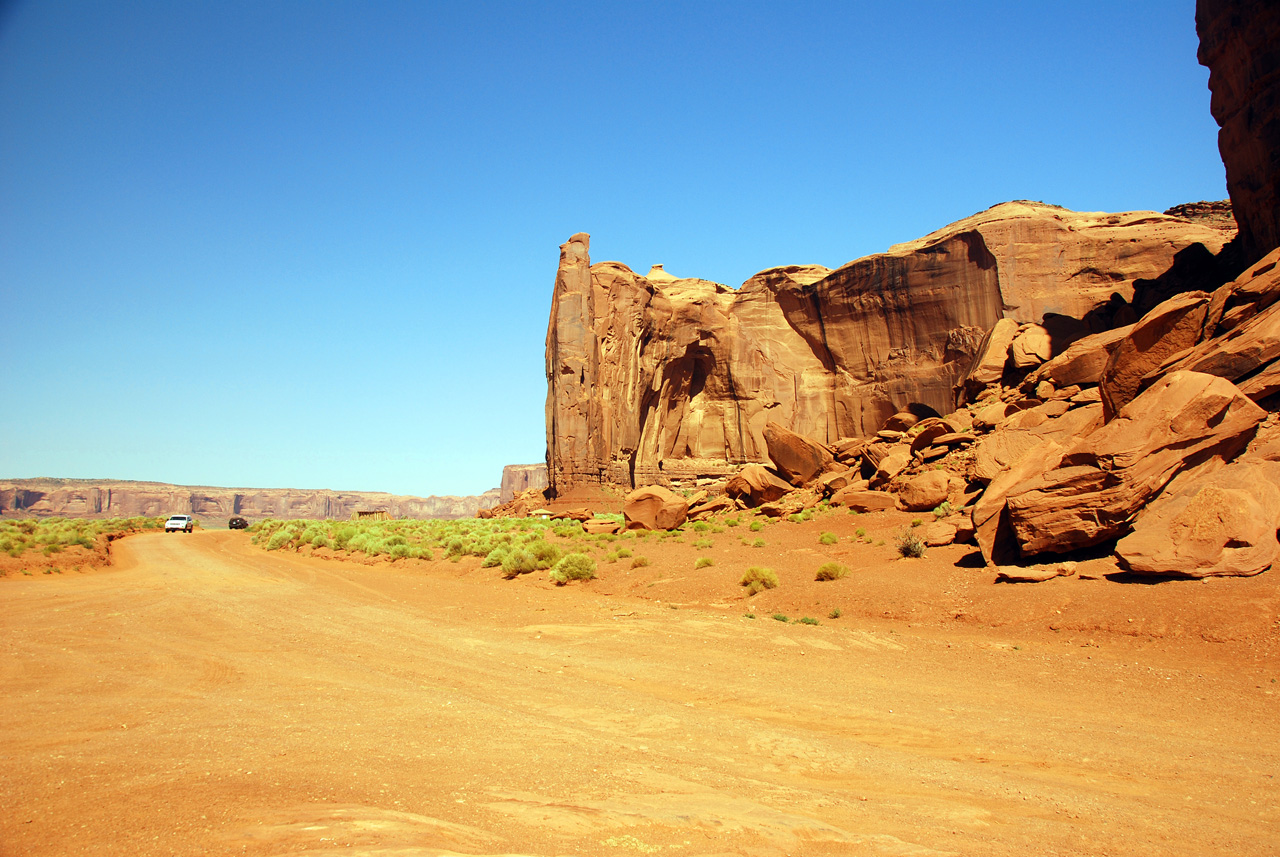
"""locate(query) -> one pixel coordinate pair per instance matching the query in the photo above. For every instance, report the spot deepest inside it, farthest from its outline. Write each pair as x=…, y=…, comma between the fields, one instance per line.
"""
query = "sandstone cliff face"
x=668, y=381
x=1055, y=261
x=1240, y=43
x=519, y=478
x=75, y=498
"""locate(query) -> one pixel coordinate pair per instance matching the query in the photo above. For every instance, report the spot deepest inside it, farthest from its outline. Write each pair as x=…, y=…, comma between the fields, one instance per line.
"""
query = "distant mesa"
x=518, y=478
x=84, y=498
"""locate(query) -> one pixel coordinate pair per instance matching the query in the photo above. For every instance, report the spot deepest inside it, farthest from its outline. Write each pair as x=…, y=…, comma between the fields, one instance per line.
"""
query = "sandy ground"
x=201, y=696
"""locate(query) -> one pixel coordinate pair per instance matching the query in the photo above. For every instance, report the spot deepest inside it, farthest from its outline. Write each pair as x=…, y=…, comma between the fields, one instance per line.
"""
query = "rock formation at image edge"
x=1240, y=44
x=81, y=498
x=663, y=380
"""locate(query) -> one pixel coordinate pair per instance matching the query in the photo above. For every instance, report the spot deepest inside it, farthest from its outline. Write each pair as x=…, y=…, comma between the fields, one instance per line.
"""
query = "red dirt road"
x=204, y=697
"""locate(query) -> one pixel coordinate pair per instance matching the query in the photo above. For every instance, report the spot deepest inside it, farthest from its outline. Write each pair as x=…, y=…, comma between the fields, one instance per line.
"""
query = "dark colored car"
x=237, y=523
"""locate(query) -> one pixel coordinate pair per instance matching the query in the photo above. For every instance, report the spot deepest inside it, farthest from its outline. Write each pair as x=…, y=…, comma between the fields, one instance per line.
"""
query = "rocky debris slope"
x=1155, y=440
x=662, y=380
x=77, y=498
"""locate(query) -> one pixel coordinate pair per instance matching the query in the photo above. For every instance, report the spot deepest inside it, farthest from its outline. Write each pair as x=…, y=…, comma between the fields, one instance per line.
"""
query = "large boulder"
x=1246, y=353
x=988, y=364
x=601, y=526
x=1187, y=422
x=1031, y=347
x=1083, y=362
x=798, y=458
x=862, y=500
x=1220, y=525
x=715, y=506
x=992, y=528
x=755, y=485
x=1007, y=445
x=654, y=508
x=1170, y=328
x=938, y=534
x=925, y=491
x=909, y=416
x=891, y=465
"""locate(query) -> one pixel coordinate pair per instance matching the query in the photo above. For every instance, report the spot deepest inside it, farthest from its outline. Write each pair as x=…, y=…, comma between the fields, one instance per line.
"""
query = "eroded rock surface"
x=1240, y=43
x=1186, y=422
x=1220, y=525
x=672, y=381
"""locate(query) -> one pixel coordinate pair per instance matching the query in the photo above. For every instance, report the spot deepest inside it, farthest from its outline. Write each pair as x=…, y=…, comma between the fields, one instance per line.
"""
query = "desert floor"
x=201, y=696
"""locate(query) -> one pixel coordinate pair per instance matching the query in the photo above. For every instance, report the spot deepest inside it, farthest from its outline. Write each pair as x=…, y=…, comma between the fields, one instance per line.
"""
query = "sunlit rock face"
x=664, y=380
x=1240, y=44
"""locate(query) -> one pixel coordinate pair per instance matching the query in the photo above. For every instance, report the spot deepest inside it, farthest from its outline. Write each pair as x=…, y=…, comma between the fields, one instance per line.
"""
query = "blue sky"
x=312, y=244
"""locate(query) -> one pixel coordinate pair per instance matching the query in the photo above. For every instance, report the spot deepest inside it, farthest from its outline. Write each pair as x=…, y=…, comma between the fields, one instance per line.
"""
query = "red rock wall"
x=660, y=383
x=1240, y=43
x=668, y=381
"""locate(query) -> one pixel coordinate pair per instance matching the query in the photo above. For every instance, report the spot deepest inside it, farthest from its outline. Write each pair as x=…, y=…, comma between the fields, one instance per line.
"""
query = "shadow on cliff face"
x=1194, y=268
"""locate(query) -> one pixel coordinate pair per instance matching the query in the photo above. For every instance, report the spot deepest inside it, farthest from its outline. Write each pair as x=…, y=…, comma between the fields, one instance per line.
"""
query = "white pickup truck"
x=186, y=523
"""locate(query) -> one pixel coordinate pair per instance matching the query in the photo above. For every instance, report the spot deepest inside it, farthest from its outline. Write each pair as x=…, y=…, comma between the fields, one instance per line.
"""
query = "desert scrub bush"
x=756, y=579
x=758, y=543
x=702, y=544
x=909, y=544
x=704, y=562
x=943, y=509
x=828, y=539
x=519, y=561
x=52, y=535
x=640, y=562
x=279, y=539
x=545, y=554
x=756, y=526
x=495, y=557
x=575, y=566
x=342, y=536
x=831, y=571
x=568, y=530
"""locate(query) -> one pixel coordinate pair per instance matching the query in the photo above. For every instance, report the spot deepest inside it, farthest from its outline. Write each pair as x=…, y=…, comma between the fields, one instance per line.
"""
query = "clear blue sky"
x=311, y=244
